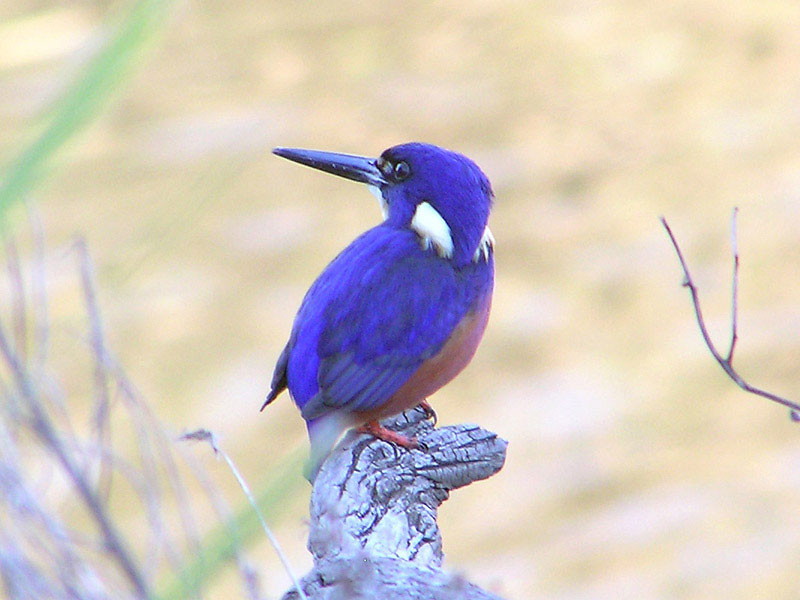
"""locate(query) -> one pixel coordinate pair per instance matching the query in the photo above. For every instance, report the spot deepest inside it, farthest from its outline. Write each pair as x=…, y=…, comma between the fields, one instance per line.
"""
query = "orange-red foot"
x=387, y=435
x=429, y=412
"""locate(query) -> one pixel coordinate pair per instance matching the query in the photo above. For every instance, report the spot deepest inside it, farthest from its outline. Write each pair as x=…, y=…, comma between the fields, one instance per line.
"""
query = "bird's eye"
x=401, y=171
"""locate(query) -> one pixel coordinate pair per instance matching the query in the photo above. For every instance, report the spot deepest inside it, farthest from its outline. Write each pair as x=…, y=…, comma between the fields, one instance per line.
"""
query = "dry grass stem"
x=86, y=511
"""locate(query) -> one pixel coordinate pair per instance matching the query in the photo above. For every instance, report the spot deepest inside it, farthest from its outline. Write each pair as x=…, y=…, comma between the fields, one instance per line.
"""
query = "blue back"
x=375, y=314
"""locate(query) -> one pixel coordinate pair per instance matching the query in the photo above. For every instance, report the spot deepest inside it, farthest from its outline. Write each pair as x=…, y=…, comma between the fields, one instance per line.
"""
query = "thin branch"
x=734, y=286
x=228, y=520
x=725, y=362
x=204, y=435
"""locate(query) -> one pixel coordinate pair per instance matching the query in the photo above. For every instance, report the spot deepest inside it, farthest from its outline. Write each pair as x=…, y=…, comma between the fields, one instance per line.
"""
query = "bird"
x=402, y=309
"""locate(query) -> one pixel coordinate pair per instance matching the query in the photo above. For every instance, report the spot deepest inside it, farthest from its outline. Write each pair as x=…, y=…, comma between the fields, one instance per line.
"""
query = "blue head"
x=442, y=195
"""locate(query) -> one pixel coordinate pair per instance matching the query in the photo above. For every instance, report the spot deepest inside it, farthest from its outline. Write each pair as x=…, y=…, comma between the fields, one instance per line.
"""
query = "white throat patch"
x=433, y=230
x=376, y=191
x=485, y=247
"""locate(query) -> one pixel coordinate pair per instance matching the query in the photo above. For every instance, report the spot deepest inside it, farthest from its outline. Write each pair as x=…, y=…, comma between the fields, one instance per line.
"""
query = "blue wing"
x=377, y=312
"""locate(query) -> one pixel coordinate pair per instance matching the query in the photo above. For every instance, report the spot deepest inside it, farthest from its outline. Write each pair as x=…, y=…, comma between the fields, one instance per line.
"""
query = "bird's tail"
x=279, y=380
x=323, y=432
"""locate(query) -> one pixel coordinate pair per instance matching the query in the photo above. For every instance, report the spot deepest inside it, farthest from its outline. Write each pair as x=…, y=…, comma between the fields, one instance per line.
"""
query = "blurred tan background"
x=635, y=468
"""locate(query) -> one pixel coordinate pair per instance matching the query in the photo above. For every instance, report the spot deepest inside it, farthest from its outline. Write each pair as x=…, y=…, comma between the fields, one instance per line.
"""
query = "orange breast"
x=439, y=369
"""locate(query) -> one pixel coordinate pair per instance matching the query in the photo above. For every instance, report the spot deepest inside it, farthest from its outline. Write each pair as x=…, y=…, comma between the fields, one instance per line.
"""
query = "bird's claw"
x=429, y=412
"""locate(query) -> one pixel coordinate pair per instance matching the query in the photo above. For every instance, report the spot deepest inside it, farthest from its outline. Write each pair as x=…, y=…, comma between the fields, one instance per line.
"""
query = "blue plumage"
x=401, y=310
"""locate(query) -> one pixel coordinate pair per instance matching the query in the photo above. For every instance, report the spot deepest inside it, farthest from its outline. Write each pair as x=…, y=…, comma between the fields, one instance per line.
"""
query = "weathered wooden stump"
x=373, y=512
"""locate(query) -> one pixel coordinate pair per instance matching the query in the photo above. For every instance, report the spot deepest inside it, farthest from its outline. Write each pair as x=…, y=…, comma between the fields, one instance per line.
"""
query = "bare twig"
x=726, y=362
x=734, y=286
x=249, y=578
x=204, y=435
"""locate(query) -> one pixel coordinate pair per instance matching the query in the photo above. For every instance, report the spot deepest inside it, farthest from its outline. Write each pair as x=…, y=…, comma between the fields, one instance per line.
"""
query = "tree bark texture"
x=374, y=506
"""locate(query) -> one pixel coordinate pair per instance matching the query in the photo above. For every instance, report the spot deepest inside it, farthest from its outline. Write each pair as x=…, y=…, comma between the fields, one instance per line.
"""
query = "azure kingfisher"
x=400, y=311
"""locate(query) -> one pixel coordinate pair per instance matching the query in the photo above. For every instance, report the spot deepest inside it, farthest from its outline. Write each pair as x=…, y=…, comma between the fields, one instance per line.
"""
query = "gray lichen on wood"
x=374, y=506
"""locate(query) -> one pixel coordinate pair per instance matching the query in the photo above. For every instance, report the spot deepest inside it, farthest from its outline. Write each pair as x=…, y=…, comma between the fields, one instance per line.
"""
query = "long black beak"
x=357, y=168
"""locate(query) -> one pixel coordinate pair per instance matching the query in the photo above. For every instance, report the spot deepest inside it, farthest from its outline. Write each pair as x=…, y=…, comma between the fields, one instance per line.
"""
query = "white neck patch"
x=485, y=247
x=376, y=191
x=433, y=230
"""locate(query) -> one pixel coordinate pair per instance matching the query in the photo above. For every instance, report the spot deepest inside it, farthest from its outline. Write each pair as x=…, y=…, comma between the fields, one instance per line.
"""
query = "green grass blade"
x=84, y=98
